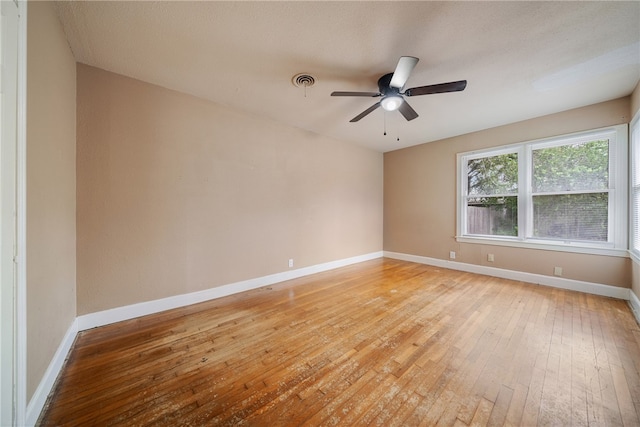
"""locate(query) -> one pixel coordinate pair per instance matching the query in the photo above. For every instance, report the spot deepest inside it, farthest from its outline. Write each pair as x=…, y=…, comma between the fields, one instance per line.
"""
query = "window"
x=564, y=193
x=635, y=189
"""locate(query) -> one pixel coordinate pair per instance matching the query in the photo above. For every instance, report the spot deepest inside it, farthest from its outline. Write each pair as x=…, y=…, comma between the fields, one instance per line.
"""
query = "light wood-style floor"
x=384, y=342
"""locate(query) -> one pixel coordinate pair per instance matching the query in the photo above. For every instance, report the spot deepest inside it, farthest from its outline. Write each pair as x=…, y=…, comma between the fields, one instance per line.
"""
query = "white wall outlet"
x=557, y=271
x=490, y=258
x=290, y=262
x=452, y=255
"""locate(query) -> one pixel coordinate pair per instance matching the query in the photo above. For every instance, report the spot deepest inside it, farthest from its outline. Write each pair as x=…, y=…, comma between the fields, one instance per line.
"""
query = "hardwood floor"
x=384, y=342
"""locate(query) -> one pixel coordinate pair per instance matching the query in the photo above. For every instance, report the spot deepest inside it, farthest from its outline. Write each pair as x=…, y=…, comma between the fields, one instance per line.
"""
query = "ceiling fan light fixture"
x=391, y=102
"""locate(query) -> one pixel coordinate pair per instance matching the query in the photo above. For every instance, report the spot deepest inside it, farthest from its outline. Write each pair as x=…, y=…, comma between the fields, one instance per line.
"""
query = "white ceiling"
x=521, y=59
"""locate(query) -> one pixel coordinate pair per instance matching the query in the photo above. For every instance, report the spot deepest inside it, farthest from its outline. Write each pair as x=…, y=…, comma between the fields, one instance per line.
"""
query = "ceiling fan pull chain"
x=385, y=123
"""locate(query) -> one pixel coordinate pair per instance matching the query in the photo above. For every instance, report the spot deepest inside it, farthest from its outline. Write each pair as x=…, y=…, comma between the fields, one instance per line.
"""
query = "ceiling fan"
x=390, y=88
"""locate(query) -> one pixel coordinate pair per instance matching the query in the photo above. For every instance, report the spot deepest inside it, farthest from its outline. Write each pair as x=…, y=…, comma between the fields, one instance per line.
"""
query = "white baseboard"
x=114, y=315
x=539, y=279
x=634, y=302
x=37, y=402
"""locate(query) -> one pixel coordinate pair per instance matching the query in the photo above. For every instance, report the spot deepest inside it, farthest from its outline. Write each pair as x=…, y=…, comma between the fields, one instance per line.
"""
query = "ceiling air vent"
x=303, y=80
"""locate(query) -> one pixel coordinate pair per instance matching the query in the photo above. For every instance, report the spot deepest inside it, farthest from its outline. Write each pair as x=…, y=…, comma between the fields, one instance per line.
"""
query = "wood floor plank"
x=625, y=404
x=516, y=406
x=482, y=414
x=384, y=342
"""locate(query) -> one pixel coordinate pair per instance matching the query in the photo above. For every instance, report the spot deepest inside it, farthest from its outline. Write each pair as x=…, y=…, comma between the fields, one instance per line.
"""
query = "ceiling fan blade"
x=403, y=70
x=369, y=94
x=439, y=88
x=408, y=112
x=365, y=112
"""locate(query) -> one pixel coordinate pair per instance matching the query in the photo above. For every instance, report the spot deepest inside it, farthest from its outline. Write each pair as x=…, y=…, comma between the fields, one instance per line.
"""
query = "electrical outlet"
x=490, y=258
x=290, y=262
x=557, y=271
x=452, y=255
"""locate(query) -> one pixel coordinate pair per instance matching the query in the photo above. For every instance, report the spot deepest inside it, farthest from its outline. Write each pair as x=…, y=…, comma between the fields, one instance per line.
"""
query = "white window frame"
x=634, y=187
x=616, y=244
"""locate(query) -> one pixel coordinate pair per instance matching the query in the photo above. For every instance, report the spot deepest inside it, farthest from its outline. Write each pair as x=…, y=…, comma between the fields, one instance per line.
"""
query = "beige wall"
x=176, y=194
x=420, y=199
x=51, y=187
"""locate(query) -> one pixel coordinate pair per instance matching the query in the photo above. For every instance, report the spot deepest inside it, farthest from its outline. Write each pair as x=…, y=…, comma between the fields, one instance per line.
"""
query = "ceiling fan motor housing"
x=385, y=89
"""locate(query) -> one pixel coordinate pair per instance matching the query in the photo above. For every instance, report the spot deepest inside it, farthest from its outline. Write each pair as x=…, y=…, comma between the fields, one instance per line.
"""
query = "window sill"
x=573, y=248
x=635, y=256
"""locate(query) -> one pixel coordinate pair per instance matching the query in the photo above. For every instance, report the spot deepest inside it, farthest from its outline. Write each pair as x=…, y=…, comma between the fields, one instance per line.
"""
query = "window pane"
x=572, y=167
x=571, y=217
x=493, y=175
x=635, y=188
x=635, y=218
x=495, y=216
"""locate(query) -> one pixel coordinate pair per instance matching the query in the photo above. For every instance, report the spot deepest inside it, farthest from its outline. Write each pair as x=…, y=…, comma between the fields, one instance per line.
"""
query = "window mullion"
x=618, y=189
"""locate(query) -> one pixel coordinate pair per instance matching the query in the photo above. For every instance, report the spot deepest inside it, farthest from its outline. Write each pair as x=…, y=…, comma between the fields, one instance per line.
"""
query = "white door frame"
x=13, y=212
x=21, y=222
x=8, y=232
